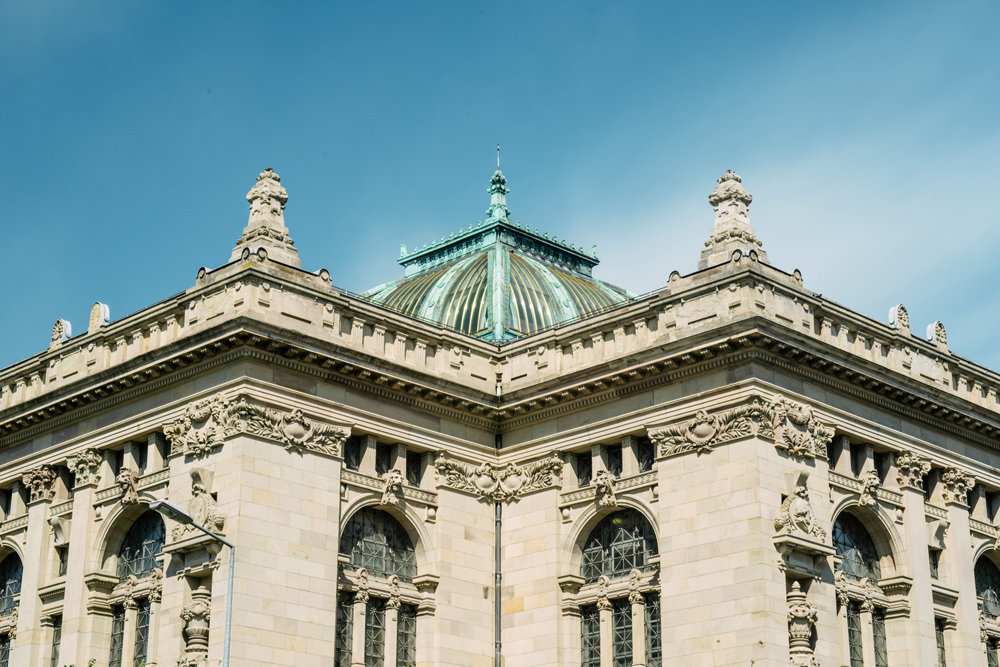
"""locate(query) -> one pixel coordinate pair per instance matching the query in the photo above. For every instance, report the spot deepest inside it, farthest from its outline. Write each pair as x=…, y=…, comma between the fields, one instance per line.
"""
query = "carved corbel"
x=392, y=486
x=604, y=485
x=60, y=530
x=362, y=595
x=395, y=599
x=870, y=483
x=128, y=482
x=634, y=596
x=603, y=603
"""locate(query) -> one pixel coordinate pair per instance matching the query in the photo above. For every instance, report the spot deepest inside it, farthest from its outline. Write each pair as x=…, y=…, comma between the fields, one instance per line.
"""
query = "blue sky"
x=866, y=132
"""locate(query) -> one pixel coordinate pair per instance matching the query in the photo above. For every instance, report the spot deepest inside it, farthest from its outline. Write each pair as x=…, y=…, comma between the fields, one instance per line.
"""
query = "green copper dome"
x=498, y=280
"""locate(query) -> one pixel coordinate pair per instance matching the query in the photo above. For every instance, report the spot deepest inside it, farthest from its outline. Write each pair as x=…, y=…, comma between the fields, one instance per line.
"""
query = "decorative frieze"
x=86, y=466
x=910, y=470
x=292, y=429
x=955, y=484
x=205, y=425
x=791, y=426
x=802, y=617
x=40, y=482
x=497, y=483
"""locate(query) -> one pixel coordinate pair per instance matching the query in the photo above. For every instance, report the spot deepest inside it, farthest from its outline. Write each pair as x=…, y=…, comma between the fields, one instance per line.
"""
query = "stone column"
x=841, y=455
x=153, y=636
x=630, y=455
x=128, y=636
x=155, y=444
x=30, y=637
x=638, y=619
x=966, y=641
x=802, y=616
x=867, y=633
x=17, y=506
x=76, y=622
x=607, y=632
x=368, y=444
x=920, y=627
x=843, y=631
x=48, y=630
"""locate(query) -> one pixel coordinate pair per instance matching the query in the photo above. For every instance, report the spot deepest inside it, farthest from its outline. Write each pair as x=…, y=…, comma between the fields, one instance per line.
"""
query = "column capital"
x=910, y=470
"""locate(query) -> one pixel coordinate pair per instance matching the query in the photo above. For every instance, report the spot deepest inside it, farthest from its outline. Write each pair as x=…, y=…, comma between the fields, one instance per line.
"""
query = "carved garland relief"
x=207, y=423
x=498, y=483
x=792, y=426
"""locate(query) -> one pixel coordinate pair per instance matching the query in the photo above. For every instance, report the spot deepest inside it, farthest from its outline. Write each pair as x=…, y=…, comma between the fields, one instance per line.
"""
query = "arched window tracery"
x=380, y=601
x=621, y=542
x=142, y=544
x=619, y=583
x=859, y=558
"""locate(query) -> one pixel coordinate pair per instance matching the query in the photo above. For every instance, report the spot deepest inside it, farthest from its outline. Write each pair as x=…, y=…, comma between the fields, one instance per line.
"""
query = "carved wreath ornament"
x=792, y=426
x=498, y=483
x=207, y=423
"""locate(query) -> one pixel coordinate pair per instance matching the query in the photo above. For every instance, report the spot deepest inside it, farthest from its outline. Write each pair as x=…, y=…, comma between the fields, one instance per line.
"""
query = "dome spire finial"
x=498, y=194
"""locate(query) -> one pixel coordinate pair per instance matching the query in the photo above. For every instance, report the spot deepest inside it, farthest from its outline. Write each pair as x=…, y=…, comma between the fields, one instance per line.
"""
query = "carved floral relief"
x=40, y=482
x=792, y=426
x=955, y=484
x=86, y=466
x=207, y=423
x=498, y=483
x=910, y=470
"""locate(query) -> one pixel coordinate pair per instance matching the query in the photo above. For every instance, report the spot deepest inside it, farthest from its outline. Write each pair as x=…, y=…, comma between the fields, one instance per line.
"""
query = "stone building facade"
x=499, y=459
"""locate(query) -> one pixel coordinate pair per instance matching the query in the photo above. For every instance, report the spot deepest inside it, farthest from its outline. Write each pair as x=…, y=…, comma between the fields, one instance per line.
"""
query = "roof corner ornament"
x=498, y=194
x=732, y=230
x=266, y=228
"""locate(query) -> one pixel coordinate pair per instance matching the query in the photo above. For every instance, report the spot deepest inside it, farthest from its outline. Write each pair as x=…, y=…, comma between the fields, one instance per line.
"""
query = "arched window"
x=620, y=543
x=141, y=546
x=378, y=543
x=988, y=585
x=858, y=556
x=381, y=546
x=10, y=580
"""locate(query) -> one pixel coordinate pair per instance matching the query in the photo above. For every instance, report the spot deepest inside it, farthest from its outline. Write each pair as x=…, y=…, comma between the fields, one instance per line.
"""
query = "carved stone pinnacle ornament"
x=802, y=617
x=732, y=230
x=266, y=227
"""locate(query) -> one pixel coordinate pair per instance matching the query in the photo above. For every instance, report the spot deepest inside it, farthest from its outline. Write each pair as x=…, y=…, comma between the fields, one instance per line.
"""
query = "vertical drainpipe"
x=498, y=575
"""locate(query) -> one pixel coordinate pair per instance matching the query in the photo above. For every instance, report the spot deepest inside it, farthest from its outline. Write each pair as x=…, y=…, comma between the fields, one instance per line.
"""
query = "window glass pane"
x=858, y=556
x=590, y=636
x=141, y=631
x=10, y=579
x=375, y=633
x=878, y=632
x=414, y=468
x=406, y=636
x=378, y=543
x=988, y=585
x=584, y=469
x=383, y=458
x=352, y=453
x=345, y=629
x=645, y=454
x=615, y=460
x=854, y=634
x=117, y=636
x=933, y=557
x=4, y=651
x=991, y=654
x=621, y=633
x=620, y=542
x=63, y=554
x=56, y=640
x=939, y=637
x=654, y=634
x=141, y=454
x=141, y=546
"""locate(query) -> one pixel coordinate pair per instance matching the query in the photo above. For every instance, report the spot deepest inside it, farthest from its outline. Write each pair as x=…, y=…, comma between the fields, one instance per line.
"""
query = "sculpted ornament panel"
x=202, y=506
x=910, y=470
x=128, y=482
x=870, y=483
x=796, y=515
x=792, y=426
x=86, y=466
x=40, y=483
x=207, y=423
x=293, y=429
x=955, y=484
x=604, y=485
x=498, y=483
x=392, y=485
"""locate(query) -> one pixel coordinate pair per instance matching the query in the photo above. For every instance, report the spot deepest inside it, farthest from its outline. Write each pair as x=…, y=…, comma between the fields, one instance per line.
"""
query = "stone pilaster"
x=30, y=635
x=965, y=639
x=76, y=621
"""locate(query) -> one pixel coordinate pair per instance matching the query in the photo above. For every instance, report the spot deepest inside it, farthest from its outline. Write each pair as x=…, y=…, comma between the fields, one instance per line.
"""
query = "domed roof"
x=498, y=280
